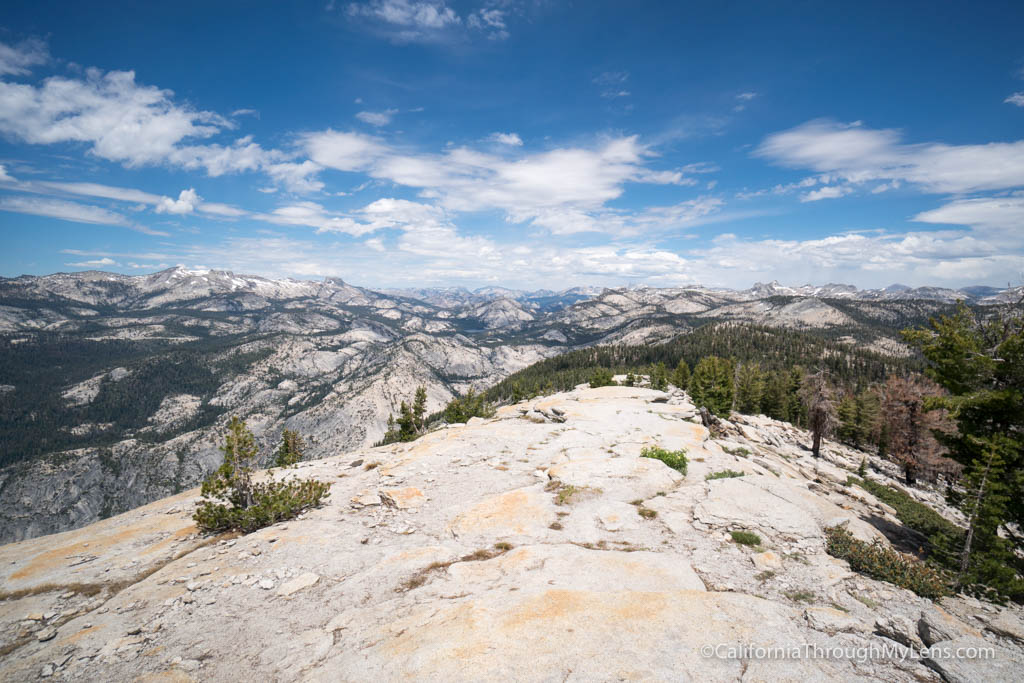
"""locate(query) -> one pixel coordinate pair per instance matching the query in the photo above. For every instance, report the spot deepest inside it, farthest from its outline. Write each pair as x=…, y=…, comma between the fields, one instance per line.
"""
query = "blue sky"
x=525, y=144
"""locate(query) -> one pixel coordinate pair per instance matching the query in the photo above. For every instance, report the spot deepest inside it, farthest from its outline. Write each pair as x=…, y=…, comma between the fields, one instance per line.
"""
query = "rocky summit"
x=536, y=545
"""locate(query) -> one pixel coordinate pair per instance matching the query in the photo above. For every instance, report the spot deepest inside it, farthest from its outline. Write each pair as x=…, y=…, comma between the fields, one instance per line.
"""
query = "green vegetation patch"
x=724, y=474
x=746, y=538
x=674, y=459
x=885, y=564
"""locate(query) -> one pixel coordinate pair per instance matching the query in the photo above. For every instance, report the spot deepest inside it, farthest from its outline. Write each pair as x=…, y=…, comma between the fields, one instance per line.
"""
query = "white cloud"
x=490, y=20
x=6, y=177
x=511, y=139
x=826, y=192
x=377, y=118
x=137, y=125
x=1016, y=98
x=858, y=154
x=342, y=151
x=95, y=263
x=313, y=215
x=246, y=112
x=408, y=21
x=18, y=60
x=224, y=210
x=567, y=185
x=185, y=203
x=70, y=211
x=986, y=214
x=122, y=194
x=746, y=96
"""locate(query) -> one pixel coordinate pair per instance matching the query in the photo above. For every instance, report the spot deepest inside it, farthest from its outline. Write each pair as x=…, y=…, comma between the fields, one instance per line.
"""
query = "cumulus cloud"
x=185, y=203
x=550, y=186
x=120, y=120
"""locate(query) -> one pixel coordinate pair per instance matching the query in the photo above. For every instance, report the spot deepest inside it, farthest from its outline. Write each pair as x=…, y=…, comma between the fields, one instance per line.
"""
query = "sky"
x=519, y=143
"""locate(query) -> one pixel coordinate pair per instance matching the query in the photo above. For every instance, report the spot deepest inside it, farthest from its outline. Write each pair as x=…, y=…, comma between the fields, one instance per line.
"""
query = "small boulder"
x=831, y=621
x=936, y=625
x=298, y=583
x=766, y=561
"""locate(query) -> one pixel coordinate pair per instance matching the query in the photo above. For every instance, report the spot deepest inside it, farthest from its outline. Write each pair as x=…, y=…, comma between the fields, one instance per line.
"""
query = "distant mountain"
x=114, y=389
x=894, y=292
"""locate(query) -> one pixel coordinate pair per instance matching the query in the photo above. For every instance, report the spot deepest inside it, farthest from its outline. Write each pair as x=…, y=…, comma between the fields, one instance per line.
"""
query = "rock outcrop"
x=537, y=545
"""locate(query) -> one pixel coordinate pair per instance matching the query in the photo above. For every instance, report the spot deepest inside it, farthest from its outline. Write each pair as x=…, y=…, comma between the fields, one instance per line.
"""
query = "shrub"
x=711, y=385
x=233, y=501
x=291, y=449
x=724, y=474
x=602, y=377
x=674, y=459
x=739, y=451
x=471, y=405
x=746, y=538
x=881, y=562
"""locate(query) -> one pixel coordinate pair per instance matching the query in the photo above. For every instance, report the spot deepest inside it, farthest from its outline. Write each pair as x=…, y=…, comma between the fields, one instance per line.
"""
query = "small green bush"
x=233, y=501
x=674, y=459
x=881, y=562
x=739, y=452
x=272, y=502
x=746, y=538
x=291, y=449
x=724, y=474
x=602, y=377
x=469, y=406
x=914, y=514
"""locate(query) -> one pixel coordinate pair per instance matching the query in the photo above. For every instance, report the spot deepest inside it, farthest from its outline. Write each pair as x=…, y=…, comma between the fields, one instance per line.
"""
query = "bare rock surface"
x=507, y=549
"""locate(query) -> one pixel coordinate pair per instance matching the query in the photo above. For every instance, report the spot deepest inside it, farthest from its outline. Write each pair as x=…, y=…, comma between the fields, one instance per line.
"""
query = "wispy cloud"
x=858, y=154
x=18, y=60
x=377, y=118
x=428, y=21
x=71, y=211
x=1016, y=98
x=511, y=139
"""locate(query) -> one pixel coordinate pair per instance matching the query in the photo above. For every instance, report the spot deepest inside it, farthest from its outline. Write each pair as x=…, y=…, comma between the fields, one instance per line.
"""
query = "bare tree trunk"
x=816, y=444
x=965, y=556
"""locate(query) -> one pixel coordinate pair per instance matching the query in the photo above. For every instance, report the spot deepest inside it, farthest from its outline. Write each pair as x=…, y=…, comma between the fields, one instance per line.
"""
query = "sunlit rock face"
x=536, y=545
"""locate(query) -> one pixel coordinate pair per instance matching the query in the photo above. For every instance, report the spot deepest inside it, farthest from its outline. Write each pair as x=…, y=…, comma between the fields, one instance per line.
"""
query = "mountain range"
x=114, y=389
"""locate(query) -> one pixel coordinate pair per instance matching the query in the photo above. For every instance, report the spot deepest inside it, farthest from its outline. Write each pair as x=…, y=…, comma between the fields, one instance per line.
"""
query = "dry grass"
x=482, y=555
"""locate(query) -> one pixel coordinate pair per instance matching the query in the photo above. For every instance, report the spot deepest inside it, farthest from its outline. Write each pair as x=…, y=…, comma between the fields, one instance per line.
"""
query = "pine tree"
x=291, y=449
x=711, y=385
x=796, y=409
x=681, y=375
x=848, y=429
x=773, y=401
x=869, y=417
x=419, y=410
x=659, y=377
x=233, y=479
x=749, y=388
x=981, y=364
